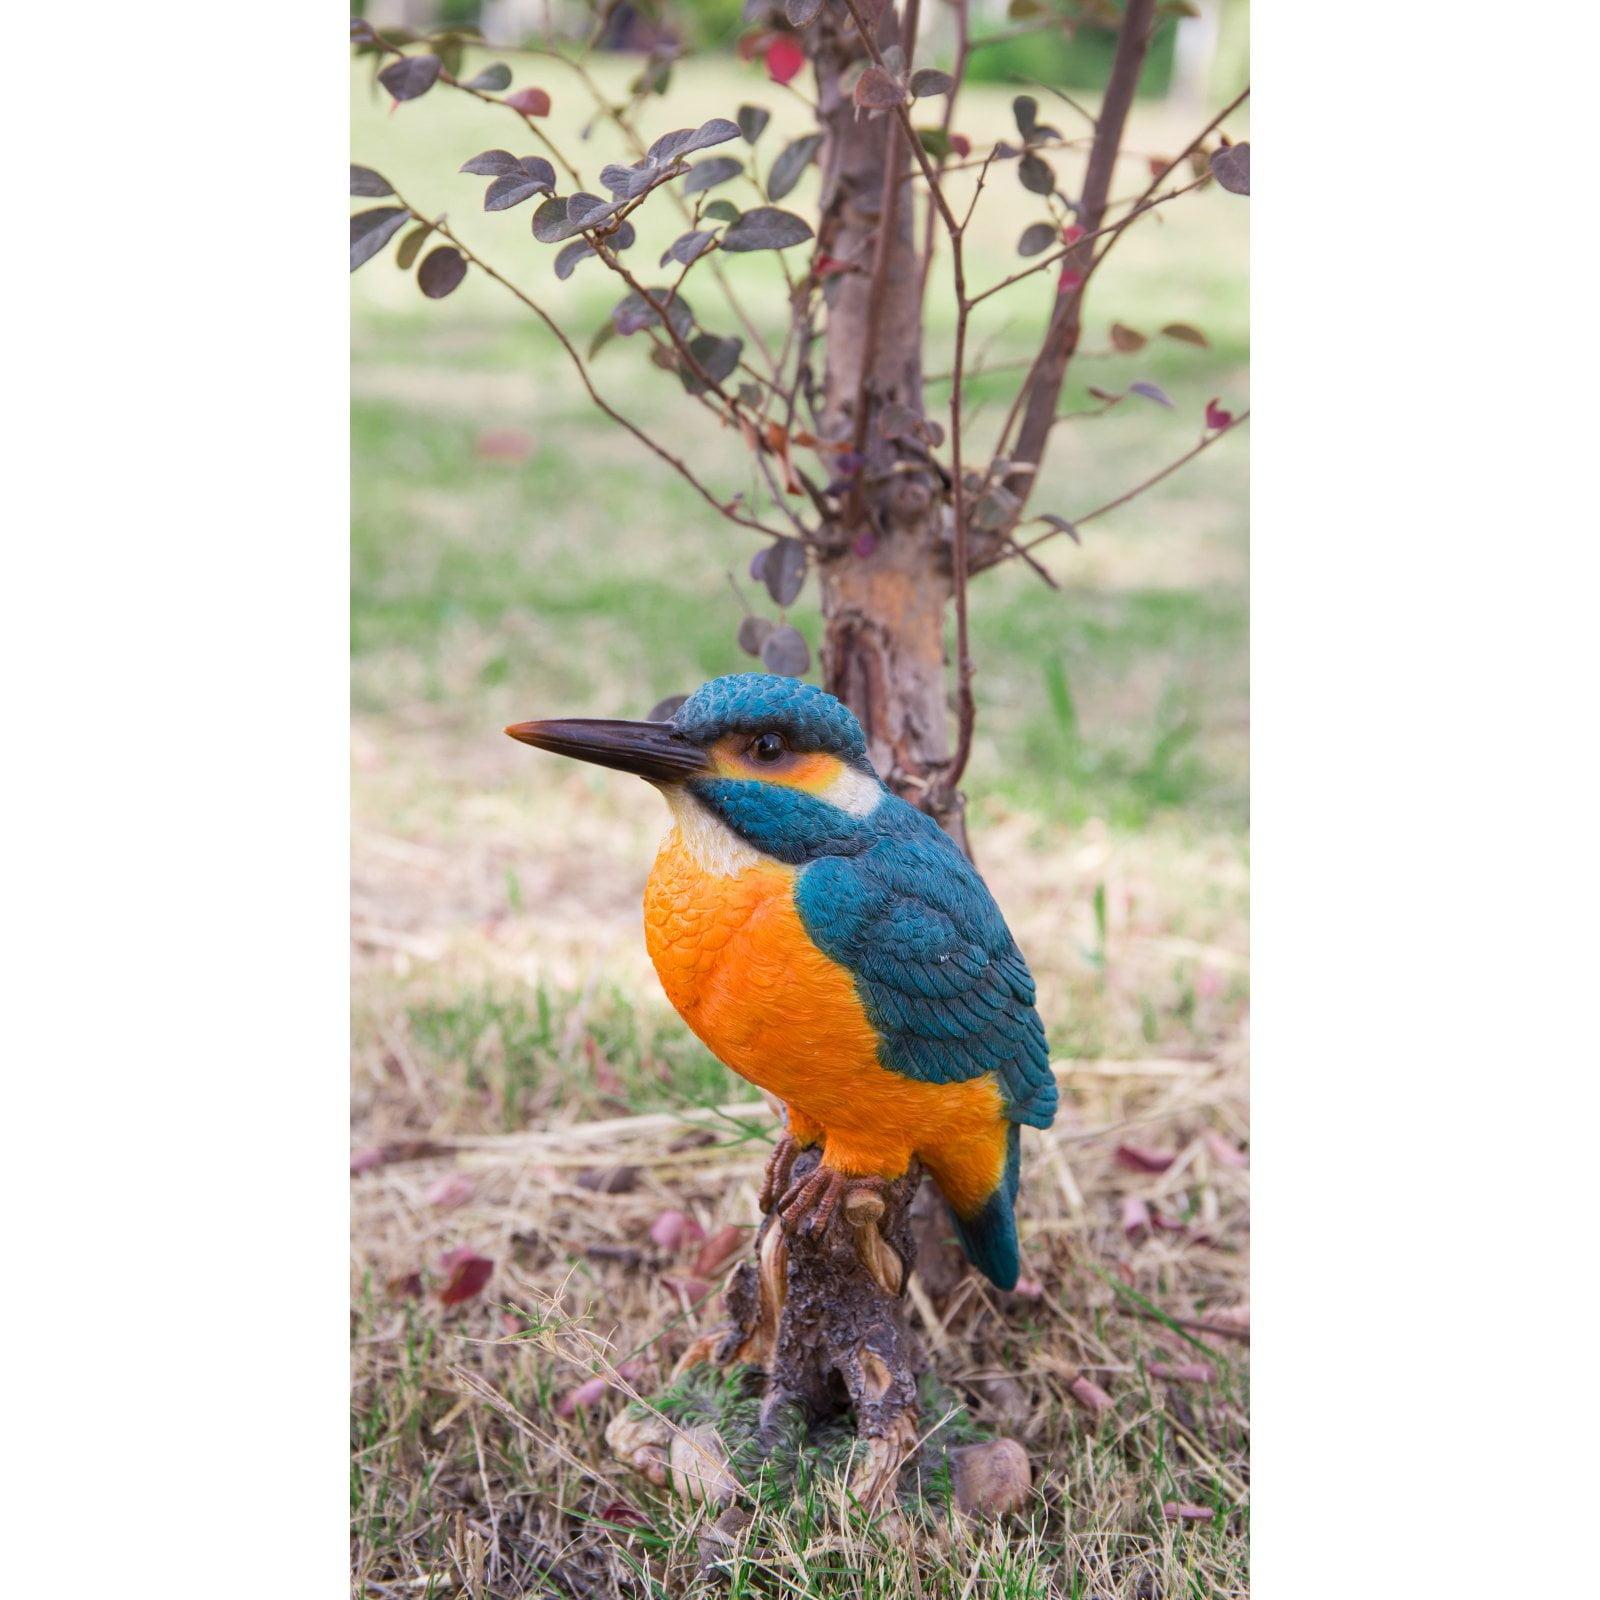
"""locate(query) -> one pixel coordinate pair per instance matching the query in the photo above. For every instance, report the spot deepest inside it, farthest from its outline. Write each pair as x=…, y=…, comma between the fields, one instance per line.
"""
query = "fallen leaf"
x=608, y=1180
x=408, y=1286
x=674, y=1230
x=1143, y=1158
x=452, y=1190
x=581, y=1398
x=469, y=1272
x=623, y=1515
x=1183, y=1371
x=718, y=1251
x=1089, y=1394
x=1182, y=1511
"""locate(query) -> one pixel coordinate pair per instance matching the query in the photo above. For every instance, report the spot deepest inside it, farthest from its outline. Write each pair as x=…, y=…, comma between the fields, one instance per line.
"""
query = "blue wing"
x=936, y=967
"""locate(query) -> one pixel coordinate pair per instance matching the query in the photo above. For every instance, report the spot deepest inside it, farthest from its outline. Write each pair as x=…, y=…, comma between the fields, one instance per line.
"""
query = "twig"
x=1043, y=385
x=658, y=450
x=1122, y=499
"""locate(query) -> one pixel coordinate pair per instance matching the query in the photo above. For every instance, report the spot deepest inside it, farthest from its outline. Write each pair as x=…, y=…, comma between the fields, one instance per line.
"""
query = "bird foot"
x=808, y=1209
x=775, y=1185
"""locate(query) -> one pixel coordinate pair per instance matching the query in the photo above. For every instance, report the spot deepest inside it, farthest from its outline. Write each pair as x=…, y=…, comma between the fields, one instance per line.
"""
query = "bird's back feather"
x=936, y=967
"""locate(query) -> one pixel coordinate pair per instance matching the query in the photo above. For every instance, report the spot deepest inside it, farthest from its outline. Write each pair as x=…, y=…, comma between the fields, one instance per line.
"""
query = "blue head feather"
x=751, y=702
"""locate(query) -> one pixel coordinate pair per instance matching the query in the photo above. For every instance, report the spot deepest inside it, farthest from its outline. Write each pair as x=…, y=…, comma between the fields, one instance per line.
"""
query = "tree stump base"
x=817, y=1356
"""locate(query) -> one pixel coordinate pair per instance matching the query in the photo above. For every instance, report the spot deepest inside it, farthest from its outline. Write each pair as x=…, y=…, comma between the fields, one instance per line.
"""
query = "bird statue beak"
x=652, y=750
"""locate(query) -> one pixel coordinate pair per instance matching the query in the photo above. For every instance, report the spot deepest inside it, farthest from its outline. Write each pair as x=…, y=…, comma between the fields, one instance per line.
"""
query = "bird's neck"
x=714, y=847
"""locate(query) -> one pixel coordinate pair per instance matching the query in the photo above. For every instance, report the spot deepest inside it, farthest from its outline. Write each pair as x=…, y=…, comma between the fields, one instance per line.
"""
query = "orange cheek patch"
x=812, y=772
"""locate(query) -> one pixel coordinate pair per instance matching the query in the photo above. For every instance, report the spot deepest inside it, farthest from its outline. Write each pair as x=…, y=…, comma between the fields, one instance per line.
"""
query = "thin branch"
x=626, y=423
x=1042, y=388
x=1122, y=499
x=490, y=100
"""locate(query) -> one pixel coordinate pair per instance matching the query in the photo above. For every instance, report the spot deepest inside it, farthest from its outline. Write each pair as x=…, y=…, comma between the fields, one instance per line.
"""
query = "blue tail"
x=990, y=1236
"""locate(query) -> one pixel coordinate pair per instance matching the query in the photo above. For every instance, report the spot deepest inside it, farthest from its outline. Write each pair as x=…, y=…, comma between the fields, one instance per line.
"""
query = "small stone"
x=991, y=1478
x=699, y=1466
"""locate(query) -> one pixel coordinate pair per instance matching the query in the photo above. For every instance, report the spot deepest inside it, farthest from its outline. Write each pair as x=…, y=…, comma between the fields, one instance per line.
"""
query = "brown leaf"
x=1090, y=1395
x=1127, y=339
x=530, y=102
x=1182, y=1511
x=718, y=1251
x=1143, y=1158
x=469, y=1272
x=609, y=1180
x=876, y=90
x=1183, y=1371
x=408, y=1286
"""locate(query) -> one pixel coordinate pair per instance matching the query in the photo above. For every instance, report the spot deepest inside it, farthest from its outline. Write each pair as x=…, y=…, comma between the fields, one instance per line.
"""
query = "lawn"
x=521, y=1087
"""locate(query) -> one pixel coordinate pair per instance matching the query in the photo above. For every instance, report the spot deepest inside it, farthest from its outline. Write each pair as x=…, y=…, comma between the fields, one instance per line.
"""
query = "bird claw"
x=808, y=1210
x=775, y=1185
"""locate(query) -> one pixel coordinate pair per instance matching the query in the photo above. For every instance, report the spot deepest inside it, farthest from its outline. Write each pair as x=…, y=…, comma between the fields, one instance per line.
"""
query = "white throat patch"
x=715, y=847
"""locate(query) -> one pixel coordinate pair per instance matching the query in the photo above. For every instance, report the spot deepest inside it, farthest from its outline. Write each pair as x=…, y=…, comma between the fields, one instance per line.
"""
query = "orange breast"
x=737, y=963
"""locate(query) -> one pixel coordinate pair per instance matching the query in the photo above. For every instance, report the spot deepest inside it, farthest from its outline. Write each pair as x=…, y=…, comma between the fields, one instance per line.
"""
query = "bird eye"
x=768, y=747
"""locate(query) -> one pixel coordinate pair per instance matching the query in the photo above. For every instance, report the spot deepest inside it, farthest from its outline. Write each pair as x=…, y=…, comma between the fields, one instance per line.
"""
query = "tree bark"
x=884, y=562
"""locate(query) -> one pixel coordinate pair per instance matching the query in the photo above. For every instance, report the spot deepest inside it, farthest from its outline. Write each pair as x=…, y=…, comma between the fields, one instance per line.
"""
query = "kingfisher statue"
x=830, y=943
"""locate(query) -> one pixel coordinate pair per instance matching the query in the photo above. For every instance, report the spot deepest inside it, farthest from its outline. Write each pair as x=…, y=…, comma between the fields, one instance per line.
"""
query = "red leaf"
x=1182, y=1511
x=581, y=1398
x=623, y=1515
x=468, y=1274
x=1142, y=1158
x=784, y=57
x=1183, y=1371
x=718, y=1251
x=452, y=1190
x=1089, y=1394
x=960, y=145
x=530, y=102
x=1217, y=416
x=1135, y=1215
x=672, y=1230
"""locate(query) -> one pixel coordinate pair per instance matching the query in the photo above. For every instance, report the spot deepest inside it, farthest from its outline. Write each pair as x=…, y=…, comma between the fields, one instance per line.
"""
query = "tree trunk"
x=884, y=563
